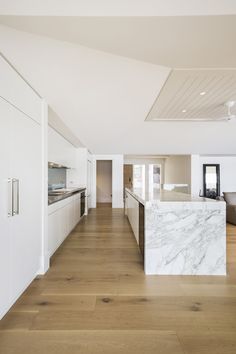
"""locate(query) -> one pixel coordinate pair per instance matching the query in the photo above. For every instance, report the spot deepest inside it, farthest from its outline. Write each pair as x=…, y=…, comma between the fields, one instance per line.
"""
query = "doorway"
x=104, y=183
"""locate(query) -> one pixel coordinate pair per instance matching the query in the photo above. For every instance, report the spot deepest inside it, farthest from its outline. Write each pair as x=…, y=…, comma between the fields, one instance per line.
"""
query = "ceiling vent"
x=196, y=95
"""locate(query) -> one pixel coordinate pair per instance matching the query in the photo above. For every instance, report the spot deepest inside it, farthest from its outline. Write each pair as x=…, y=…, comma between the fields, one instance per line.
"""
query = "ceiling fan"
x=229, y=105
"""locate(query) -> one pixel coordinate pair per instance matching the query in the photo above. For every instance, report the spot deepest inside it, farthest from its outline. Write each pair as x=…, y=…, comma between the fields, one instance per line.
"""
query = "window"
x=139, y=176
x=154, y=172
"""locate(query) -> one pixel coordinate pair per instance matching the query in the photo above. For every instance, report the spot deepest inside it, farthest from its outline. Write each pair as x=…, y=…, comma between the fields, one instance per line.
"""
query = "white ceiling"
x=104, y=98
x=117, y=8
x=177, y=42
x=195, y=95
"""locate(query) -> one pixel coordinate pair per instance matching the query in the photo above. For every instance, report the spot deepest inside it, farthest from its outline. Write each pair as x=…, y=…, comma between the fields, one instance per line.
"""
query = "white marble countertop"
x=165, y=196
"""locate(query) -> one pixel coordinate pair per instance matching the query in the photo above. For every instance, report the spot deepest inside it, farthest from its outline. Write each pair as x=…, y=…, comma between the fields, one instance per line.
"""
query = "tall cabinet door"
x=25, y=225
x=5, y=207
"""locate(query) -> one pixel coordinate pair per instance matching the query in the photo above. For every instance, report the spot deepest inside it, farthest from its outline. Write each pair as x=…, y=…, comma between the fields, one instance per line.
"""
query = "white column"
x=195, y=175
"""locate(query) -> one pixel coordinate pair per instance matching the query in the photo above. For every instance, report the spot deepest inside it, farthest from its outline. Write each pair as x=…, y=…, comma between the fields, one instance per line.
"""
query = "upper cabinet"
x=17, y=92
x=60, y=150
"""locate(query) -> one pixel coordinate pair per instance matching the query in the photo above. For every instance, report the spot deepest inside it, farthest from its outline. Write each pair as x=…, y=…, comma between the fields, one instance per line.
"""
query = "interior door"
x=26, y=224
x=5, y=206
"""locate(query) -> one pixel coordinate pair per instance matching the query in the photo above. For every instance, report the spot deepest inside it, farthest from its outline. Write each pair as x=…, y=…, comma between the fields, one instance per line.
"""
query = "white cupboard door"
x=5, y=206
x=60, y=150
x=26, y=225
x=66, y=217
x=63, y=222
x=77, y=209
x=18, y=92
x=71, y=216
x=53, y=232
x=133, y=215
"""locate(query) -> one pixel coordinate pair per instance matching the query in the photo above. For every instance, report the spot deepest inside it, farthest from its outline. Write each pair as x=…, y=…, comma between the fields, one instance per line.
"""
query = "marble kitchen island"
x=181, y=234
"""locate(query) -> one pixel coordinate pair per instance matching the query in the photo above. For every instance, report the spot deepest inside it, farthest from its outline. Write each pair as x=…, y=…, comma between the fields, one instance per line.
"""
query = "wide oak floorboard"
x=96, y=299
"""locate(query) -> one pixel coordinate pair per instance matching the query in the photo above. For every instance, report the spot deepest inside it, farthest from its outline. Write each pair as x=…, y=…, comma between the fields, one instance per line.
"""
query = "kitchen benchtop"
x=66, y=193
x=165, y=196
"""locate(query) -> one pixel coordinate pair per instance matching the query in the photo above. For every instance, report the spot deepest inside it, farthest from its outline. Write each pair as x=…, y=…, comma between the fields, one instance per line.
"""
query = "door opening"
x=104, y=183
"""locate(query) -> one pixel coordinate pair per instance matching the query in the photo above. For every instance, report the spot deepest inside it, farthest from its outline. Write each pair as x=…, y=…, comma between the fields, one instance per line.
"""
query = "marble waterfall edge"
x=186, y=238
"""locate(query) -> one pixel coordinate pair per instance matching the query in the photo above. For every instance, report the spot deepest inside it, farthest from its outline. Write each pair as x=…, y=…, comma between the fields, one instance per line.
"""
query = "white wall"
x=104, y=181
x=195, y=181
x=117, y=179
x=178, y=169
x=227, y=171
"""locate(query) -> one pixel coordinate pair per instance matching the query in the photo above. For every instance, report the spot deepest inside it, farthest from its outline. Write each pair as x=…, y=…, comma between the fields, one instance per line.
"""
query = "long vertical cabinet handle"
x=15, y=196
x=10, y=197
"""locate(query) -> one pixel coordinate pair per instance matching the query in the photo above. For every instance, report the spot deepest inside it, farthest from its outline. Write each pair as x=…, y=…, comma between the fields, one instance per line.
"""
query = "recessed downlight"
x=202, y=93
x=184, y=110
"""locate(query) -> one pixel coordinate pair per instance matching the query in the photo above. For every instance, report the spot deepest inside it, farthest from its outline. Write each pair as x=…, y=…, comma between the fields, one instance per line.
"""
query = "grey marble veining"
x=185, y=238
x=184, y=235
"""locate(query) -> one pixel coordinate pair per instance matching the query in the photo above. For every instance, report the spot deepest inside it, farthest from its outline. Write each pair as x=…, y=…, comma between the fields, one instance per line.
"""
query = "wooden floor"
x=96, y=299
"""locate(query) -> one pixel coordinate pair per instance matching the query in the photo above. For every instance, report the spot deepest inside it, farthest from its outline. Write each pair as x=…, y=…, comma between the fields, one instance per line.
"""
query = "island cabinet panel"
x=142, y=229
x=133, y=214
x=179, y=234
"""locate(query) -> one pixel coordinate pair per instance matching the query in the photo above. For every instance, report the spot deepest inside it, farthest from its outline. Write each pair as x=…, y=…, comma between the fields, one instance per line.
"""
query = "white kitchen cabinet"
x=64, y=215
x=17, y=92
x=76, y=210
x=71, y=215
x=62, y=219
x=54, y=232
x=132, y=209
x=5, y=125
x=60, y=151
x=21, y=232
x=26, y=227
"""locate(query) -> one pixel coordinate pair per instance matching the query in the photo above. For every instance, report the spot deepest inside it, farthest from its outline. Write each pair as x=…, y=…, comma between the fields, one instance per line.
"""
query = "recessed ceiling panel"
x=198, y=94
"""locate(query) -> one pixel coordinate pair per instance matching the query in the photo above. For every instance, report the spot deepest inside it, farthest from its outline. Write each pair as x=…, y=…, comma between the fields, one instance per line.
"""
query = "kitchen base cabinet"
x=55, y=231
x=135, y=212
x=132, y=207
x=62, y=219
x=142, y=229
x=76, y=209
